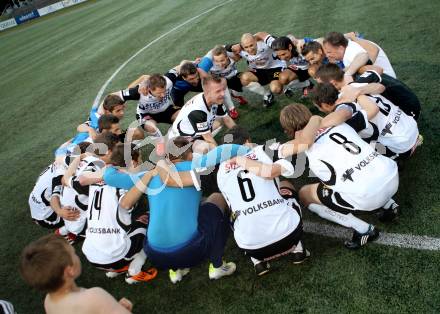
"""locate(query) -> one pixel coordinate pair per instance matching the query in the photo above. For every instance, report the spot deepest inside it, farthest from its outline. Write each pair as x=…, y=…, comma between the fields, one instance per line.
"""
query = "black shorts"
x=52, y=222
x=279, y=247
x=161, y=117
x=333, y=200
x=234, y=83
x=303, y=75
x=265, y=76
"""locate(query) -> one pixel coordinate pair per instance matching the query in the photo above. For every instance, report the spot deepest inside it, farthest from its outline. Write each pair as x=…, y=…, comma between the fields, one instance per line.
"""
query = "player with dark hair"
x=295, y=75
x=185, y=78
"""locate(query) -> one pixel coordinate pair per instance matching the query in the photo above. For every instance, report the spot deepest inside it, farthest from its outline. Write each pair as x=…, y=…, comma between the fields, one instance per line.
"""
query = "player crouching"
x=116, y=226
x=354, y=177
x=266, y=216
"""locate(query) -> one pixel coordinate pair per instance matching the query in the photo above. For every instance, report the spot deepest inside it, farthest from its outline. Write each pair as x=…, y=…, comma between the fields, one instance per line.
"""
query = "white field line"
x=102, y=90
x=407, y=241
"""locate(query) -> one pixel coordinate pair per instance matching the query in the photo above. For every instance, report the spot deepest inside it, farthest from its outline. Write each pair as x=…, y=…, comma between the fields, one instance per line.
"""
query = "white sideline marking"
x=102, y=90
x=407, y=241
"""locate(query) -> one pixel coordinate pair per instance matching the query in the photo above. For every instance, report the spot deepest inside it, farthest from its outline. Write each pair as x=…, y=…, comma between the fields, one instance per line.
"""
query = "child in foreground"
x=51, y=265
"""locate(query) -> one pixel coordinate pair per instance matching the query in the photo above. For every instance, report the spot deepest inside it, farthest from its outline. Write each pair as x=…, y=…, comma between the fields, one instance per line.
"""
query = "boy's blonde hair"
x=294, y=117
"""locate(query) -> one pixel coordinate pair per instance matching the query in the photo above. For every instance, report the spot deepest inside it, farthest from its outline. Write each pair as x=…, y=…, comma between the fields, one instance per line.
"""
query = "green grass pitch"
x=52, y=68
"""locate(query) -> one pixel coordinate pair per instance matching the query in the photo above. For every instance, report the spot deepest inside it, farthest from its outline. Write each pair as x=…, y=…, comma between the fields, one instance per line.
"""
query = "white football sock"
x=228, y=100
x=389, y=204
x=296, y=84
x=63, y=230
x=256, y=87
x=348, y=220
x=137, y=263
x=298, y=248
x=255, y=261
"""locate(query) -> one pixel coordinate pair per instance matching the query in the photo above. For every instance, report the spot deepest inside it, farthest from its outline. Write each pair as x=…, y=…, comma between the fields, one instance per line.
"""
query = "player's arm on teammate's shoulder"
x=208, y=138
x=65, y=212
x=336, y=117
x=235, y=48
x=99, y=300
x=70, y=171
x=303, y=139
x=371, y=48
x=261, y=169
x=370, y=67
x=84, y=127
x=139, y=80
x=171, y=177
x=260, y=36
x=369, y=106
x=359, y=60
x=91, y=177
x=140, y=188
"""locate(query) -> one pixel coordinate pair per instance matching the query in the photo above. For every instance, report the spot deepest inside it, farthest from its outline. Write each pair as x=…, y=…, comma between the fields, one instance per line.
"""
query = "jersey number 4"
x=96, y=203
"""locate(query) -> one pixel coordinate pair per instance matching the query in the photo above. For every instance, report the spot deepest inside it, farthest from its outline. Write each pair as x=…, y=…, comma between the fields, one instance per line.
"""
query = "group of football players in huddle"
x=178, y=208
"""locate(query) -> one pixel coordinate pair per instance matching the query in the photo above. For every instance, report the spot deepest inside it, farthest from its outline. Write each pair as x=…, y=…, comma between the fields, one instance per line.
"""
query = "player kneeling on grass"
x=51, y=265
x=354, y=177
x=116, y=231
x=266, y=216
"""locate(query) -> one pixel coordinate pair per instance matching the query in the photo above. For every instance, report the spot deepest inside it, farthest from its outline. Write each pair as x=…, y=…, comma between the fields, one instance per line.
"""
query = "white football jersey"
x=383, y=61
x=262, y=216
x=351, y=51
x=347, y=164
x=149, y=104
x=297, y=63
x=228, y=72
x=393, y=128
x=106, y=239
x=265, y=57
x=71, y=197
x=39, y=199
x=195, y=118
